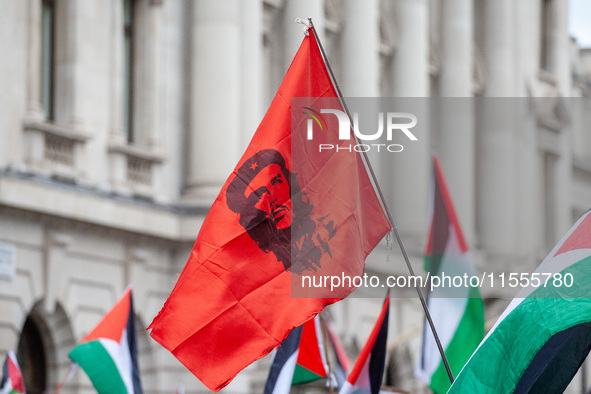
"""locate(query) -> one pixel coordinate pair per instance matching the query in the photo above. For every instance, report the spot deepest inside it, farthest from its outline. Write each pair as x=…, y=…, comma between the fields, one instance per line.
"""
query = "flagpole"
x=325, y=339
x=65, y=379
x=386, y=210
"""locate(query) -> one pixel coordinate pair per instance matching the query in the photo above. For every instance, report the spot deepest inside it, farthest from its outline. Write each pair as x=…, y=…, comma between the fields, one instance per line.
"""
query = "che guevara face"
x=260, y=195
x=272, y=190
x=276, y=216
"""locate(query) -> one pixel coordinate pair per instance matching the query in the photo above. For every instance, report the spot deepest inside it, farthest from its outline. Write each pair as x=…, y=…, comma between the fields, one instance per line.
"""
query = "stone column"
x=456, y=48
x=528, y=39
x=495, y=142
x=360, y=62
x=411, y=168
x=411, y=66
x=251, y=76
x=215, y=98
x=498, y=47
x=456, y=112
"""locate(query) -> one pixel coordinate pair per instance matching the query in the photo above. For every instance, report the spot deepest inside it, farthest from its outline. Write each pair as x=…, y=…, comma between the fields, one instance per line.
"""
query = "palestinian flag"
x=12, y=378
x=367, y=373
x=458, y=313
x=299, y=359
x=544, y=335
x=343, y=364
x=108, y=354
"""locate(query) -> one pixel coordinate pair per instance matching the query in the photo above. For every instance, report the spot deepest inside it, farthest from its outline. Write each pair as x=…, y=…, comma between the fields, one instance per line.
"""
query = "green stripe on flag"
x=468, y=335
x=100, y=367
x=522, y=333
x=304, y=375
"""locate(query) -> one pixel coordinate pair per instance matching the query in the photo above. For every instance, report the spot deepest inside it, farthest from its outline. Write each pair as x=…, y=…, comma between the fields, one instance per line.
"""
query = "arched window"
x=32, y=359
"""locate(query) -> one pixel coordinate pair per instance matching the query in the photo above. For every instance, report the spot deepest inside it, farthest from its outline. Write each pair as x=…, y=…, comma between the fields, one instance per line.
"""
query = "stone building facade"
x=121, y=119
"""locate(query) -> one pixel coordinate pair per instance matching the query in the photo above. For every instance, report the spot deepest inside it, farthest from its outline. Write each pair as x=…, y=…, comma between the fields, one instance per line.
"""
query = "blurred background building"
x=121, y=119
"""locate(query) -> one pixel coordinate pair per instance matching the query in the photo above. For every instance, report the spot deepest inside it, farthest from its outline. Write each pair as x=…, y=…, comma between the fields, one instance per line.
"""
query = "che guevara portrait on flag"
x=276, y=214
x=284, y=212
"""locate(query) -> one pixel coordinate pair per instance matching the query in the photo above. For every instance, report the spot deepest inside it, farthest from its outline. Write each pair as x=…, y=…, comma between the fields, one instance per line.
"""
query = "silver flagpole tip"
x=304, y=22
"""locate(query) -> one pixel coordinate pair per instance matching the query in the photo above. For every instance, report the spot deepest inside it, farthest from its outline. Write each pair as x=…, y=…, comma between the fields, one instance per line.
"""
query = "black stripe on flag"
x=555, y=364
x=4, y=380
x=287, y=348
x=131, y=340
x=377, y=359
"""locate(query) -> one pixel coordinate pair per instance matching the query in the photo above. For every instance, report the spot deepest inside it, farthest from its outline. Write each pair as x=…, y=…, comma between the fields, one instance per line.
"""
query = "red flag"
x=232, y=304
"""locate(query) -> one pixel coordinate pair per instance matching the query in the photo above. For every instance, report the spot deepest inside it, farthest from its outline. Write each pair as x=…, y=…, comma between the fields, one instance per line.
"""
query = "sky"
x=579, y=22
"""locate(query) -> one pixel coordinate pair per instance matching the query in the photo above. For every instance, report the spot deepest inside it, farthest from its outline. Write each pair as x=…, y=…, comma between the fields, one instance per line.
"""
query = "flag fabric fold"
x=299, y=359
x=368, y=370
x=541, y=339
x=108, y=354
x=12, y=378
x=458, y=314
x=273, y=222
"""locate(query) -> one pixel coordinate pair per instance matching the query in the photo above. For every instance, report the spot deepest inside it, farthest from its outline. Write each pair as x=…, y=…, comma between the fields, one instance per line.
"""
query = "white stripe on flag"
x=446, y=312
x=283, y=383
x=121, y=357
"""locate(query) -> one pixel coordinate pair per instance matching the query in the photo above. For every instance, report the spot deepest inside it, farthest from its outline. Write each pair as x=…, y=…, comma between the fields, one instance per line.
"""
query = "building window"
x=134, y=147
x=48, y=58
x=31, y=358
x=546, y=28
x=53, y=125
x=128, y=102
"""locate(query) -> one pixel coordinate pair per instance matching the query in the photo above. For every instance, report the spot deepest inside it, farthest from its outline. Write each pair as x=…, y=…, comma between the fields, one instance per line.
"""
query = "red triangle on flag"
x=15, y=377
x=580, y=238
x=309, y=355
x=114, y=322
